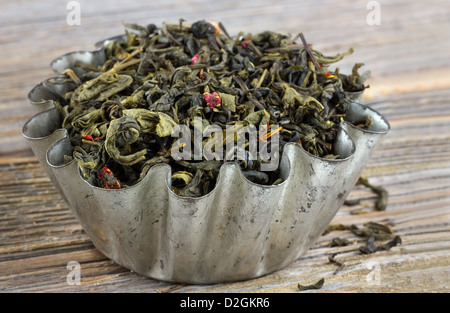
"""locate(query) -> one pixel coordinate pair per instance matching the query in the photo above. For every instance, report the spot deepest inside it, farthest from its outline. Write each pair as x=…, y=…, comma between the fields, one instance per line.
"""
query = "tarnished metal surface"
x=238, y=231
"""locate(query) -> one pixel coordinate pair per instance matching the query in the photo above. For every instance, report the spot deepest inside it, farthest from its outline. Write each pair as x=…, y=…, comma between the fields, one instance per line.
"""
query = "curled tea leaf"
x=317, y=285
x=370, y=247
x=183, y=176
x=332, y=259
x=121, y=134
x=155, y=122
x=88, y=162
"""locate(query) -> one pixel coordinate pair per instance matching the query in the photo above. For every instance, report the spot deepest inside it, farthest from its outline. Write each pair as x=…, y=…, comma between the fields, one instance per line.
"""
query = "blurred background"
x=404, y=43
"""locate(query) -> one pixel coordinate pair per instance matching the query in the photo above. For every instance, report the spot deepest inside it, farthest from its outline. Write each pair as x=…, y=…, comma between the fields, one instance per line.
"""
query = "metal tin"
x=240, y=230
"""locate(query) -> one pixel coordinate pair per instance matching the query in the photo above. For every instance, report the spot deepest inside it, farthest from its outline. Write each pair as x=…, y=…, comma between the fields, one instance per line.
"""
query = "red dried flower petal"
x=194, y=59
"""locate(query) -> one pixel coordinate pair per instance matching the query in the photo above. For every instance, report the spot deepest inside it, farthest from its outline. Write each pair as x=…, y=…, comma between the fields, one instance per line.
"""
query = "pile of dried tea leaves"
x=121, y=115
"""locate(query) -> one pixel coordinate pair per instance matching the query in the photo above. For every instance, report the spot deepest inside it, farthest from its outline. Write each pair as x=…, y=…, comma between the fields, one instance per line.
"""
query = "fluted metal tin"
x=240, y=230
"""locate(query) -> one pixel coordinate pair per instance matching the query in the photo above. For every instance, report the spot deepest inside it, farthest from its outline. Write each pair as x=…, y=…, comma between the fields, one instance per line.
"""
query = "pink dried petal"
x=194, y=59
x=207, y=97
x=244, y=43
x=212, y=100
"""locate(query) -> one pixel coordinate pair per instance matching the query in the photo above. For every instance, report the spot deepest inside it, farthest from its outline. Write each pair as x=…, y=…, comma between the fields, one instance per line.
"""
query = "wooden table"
x=408, y=54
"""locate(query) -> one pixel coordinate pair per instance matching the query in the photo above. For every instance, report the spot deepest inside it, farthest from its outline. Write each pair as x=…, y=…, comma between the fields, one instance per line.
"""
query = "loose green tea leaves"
x=152, y=122
x=382, y=194
x=102, y=87
x=339, y=242
x=332, y=259
x=122, y=116
x=380, y=191
x=355, y=82
x=317, y=285
x=370, y=246
x=372, y=231
x=335, y=227
x=378, y=231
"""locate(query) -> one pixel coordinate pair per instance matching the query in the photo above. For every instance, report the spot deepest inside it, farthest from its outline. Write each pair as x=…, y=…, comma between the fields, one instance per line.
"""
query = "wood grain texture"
x=408, y=57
